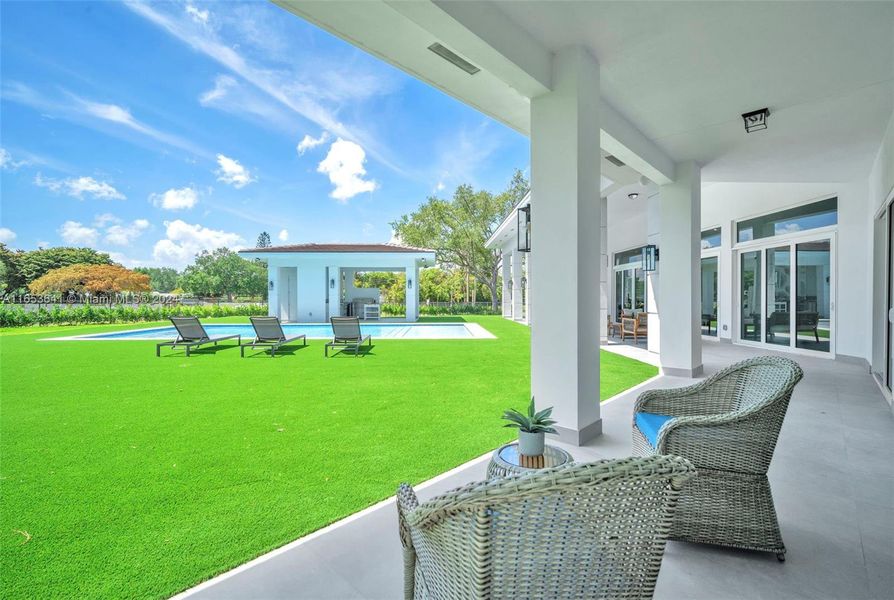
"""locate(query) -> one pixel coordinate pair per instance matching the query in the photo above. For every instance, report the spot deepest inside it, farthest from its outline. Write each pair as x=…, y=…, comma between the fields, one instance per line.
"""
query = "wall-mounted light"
x=332, y=284
x=756, y=119
x=409, y=284
x=271, y=284
x=650, y=257
x=524, y=228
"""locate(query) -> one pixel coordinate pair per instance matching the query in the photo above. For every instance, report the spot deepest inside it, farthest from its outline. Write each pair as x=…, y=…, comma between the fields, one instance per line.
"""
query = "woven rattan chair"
x=594, y=530
x=727, y=426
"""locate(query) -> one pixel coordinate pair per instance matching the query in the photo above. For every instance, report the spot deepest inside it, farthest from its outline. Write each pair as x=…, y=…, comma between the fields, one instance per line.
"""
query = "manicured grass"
x=127, y=475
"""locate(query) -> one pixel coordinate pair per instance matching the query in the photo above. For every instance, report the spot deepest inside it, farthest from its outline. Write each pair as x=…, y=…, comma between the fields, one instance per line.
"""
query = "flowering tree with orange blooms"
x=96, y=279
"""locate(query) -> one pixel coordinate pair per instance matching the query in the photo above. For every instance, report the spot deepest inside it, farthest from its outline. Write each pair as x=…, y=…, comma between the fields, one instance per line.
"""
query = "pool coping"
x=478, y=333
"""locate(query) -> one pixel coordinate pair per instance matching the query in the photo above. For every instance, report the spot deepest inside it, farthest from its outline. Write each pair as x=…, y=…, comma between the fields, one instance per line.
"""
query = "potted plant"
x=531, y=428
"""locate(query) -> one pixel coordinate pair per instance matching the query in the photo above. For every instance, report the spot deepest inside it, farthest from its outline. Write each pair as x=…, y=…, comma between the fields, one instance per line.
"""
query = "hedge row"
x=15, y=316
x=393, y=310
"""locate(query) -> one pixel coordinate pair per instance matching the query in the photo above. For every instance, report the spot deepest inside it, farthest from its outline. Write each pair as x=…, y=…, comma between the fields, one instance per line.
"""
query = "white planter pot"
x=530, y=444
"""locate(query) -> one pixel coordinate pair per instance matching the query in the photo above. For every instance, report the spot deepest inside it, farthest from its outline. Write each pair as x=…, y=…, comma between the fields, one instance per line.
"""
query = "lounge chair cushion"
x=649, y=424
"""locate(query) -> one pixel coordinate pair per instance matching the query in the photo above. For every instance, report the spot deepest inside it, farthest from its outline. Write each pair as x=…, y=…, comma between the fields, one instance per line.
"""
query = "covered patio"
x=833, y=484
x=664, y=90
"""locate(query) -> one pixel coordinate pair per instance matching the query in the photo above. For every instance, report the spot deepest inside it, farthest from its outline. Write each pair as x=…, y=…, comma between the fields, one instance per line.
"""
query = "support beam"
x=680, y=272
x=565, y=178
x=517, y=314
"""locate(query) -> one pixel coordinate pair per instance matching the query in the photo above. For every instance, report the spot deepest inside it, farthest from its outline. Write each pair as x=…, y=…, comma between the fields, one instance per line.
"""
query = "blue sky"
x=155, y=130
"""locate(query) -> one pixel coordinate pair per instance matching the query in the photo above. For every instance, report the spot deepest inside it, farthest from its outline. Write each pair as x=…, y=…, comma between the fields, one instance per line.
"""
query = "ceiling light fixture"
x=633, y=196
x=756, y=119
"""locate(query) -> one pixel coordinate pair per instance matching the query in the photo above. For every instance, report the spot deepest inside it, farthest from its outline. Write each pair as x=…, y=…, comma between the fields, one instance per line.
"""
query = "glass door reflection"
x=813, y=329
x=750, y=296
x=779, y=298
x=709, y=295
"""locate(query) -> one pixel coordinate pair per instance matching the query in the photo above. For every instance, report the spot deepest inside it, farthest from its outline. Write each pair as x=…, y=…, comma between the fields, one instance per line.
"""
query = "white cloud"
x=440, y=186
x=93, y=114
x=183, y=241
x=77, y=234
x=122, y=259
x=176, y=199
x=223, y=84
x=199, y=16
x=787, y=228
x=313, y=91
x=368, y=229
x=124, y=235
x=43, y=244
x=231, y=172
x=344, y=166
x=283, y=235
x=7, y=235
x=77, y=187
x=7, y=163
x=309, y=143
x=105, y=219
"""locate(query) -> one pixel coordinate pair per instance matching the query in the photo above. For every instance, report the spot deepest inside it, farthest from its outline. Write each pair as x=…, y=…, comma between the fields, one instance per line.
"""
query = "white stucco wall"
x=880, y=186
x=724, y=203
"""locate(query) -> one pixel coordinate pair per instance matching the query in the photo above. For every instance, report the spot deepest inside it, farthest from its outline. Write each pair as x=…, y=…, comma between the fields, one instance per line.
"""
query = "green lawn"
x=127, y=475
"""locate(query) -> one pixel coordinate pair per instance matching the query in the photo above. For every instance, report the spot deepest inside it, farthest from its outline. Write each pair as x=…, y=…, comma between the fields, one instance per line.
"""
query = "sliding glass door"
x=709, y=295
x=786, y=295
x=630, y=291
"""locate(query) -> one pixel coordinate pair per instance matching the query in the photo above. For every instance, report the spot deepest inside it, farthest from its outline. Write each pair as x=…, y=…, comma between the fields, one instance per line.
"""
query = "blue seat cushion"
x=649, y=424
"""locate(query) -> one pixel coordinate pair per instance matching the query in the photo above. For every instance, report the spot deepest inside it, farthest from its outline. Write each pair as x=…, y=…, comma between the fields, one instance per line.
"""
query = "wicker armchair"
x=594, y=530
x=727, y=426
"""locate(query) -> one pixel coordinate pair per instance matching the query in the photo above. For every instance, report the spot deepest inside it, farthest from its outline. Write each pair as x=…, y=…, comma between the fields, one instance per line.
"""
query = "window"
x=801, y=218
x=711, y=238
x=629, y=256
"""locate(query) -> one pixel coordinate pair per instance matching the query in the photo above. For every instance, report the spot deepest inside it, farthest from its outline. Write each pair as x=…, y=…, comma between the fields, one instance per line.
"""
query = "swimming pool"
x=408, y=331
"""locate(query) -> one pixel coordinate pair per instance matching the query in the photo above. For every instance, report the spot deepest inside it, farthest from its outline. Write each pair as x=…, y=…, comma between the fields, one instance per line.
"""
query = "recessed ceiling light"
x=633, y=196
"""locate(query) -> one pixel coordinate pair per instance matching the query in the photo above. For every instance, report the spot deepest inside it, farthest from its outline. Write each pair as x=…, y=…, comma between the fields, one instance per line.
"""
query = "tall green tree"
x=224, y=273
x=458, y=228
x=161, y=279
x=21, y=268
x=264, y=240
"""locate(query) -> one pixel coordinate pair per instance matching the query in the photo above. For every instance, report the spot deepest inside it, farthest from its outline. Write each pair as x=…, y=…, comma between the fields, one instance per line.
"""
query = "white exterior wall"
x=880, y=188
x=725, y=203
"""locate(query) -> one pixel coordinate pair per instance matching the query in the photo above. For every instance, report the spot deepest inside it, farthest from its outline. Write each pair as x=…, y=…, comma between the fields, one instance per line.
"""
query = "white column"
x=527, y=288
x=680, y=255
x=412, y=296
x=603, y=272
x=565, y=246
x=507, y=285
x=334, y=293
x=516, y=284
x=653, y=299
x=272, y=290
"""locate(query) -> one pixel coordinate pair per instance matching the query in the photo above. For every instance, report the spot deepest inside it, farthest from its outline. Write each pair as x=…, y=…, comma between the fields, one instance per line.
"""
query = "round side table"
x=507, y=461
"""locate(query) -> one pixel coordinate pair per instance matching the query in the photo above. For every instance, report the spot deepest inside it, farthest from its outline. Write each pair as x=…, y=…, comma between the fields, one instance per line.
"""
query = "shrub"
x=16, y=316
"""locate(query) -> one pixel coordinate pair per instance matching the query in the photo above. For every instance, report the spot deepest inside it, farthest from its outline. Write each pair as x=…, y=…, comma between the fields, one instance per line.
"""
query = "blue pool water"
x=430, y=331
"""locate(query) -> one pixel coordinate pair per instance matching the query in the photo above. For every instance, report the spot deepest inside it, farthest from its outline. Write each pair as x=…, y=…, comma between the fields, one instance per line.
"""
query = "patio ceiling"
x=675, y=76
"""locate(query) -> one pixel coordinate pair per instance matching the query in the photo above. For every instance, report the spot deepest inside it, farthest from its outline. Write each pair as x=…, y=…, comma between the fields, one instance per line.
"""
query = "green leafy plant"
x=533, y=422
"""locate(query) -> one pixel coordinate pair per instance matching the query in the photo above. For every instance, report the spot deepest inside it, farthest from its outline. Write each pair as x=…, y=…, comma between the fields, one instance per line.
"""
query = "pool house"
x=309, y=283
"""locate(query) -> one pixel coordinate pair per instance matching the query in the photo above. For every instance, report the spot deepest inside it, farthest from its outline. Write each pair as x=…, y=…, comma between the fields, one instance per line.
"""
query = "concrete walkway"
x=832, y=477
